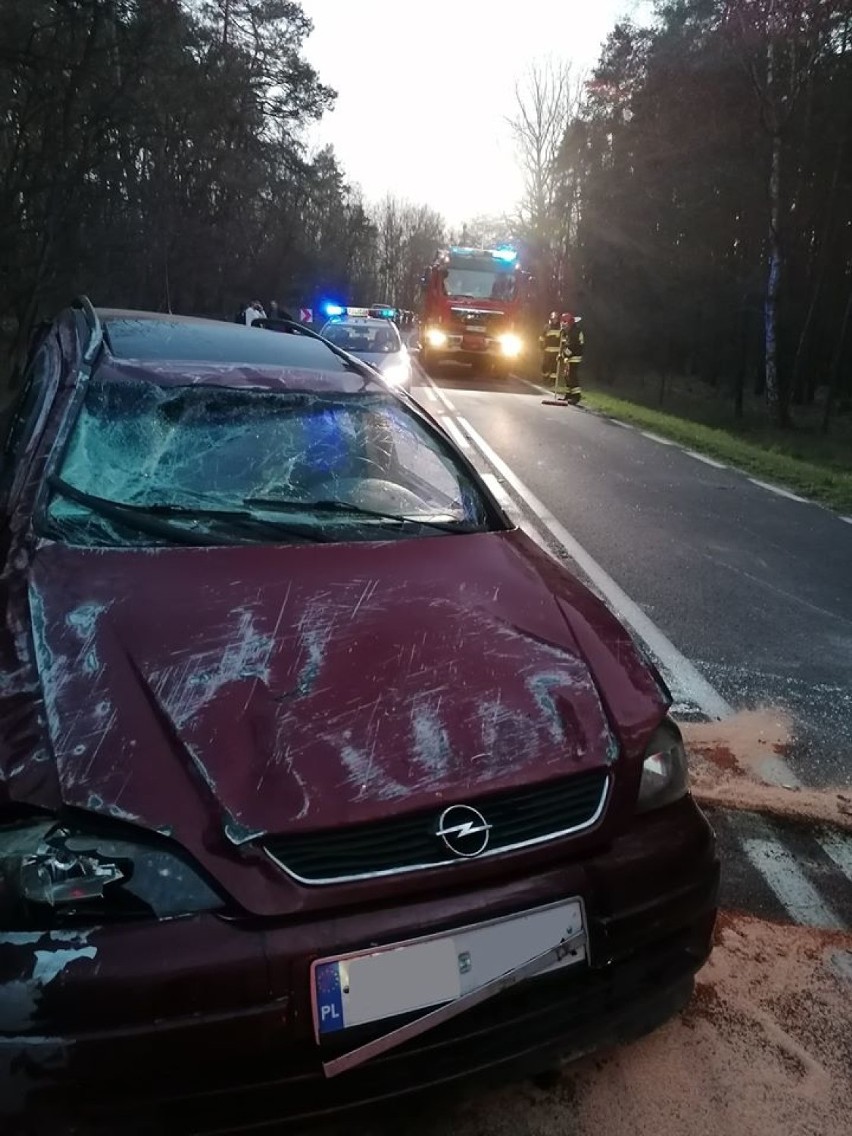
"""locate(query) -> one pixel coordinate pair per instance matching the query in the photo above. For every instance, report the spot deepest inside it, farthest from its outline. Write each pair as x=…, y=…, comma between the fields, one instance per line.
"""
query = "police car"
x=371, y=335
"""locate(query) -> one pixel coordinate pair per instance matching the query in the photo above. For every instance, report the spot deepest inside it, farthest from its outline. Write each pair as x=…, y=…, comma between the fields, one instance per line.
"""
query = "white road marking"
x=441, y=395
x=781, y=492
x=512, y=509
x=705, y=459
x=840, y=851
x=789, y=883
x=847, y=520
x=771, y=859
x=496, y=487
x=687, y=684
x=657, y=438
x=775, y=771
x=454, y=432
x=430, y=394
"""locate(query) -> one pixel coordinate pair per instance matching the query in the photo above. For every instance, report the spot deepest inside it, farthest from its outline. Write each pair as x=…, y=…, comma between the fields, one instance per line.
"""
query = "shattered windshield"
x=198, y=340
x=211, y=465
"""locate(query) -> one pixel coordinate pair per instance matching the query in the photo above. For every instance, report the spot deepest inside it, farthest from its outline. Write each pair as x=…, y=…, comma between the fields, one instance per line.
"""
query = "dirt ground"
x=764, y=1049
x=729, y=761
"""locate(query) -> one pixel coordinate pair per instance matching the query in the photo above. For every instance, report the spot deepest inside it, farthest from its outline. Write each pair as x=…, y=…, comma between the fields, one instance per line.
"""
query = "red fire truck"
x=472, y=309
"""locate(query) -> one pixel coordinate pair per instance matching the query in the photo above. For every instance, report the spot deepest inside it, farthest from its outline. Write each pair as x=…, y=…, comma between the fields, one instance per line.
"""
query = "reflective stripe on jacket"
x=551, y=339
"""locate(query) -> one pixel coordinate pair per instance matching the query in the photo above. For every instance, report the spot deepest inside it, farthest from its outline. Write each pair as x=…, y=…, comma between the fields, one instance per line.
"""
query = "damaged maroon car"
x=320, y=782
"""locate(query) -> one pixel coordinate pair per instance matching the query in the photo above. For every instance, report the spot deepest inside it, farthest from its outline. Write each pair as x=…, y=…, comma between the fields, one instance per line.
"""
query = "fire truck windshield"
x=479, y=284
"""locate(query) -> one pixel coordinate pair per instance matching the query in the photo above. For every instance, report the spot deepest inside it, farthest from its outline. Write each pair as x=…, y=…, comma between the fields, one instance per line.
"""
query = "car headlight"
x=436, y=338
x=511, y=345
x=396, y=374
x=665, y=777
x=52, y=873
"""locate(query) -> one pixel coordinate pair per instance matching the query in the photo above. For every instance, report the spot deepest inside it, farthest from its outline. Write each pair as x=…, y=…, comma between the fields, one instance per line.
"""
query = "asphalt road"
x=751, y=590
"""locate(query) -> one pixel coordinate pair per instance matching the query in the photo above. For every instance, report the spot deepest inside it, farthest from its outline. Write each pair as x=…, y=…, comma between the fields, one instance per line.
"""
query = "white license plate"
x=360, y=988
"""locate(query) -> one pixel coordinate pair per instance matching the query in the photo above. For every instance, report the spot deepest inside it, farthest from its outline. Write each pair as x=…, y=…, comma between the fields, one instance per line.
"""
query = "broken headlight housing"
x=54, y=874
x=665, y=777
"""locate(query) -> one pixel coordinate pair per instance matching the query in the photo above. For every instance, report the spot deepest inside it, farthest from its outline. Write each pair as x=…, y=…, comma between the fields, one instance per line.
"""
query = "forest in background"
x=692, y=197
x=152, y=155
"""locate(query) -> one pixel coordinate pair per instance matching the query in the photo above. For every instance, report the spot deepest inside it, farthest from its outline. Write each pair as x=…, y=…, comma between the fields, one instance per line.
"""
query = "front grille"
x=518, y=818
x=491, y=321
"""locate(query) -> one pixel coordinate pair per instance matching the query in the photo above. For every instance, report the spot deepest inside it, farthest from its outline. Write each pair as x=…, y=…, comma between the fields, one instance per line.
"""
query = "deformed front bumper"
x=237, y=1051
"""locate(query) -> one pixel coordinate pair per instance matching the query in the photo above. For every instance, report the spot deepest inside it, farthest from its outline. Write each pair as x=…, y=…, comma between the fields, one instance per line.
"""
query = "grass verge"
x=824, y=483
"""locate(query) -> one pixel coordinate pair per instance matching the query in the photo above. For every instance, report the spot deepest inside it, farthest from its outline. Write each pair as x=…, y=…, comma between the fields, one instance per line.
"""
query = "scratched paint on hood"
x=250, y=690
x=84, y=621
x=195, y=678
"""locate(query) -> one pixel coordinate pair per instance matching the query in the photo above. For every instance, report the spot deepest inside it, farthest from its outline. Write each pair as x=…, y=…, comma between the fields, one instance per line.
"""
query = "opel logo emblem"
x=464, y=830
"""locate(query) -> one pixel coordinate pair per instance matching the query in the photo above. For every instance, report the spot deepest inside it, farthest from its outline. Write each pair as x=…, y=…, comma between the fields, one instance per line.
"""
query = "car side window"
x=27, y=420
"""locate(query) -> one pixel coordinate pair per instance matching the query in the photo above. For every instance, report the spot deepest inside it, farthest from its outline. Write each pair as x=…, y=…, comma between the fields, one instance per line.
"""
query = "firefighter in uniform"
x=549, y=341
x=572, y=343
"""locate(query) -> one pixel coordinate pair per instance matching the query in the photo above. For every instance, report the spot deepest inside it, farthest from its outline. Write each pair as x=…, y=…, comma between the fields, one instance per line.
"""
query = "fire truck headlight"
x=511, y=345
x=436, y=338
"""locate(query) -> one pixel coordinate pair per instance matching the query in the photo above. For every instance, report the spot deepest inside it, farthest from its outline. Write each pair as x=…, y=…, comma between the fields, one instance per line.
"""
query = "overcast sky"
x=424, y=89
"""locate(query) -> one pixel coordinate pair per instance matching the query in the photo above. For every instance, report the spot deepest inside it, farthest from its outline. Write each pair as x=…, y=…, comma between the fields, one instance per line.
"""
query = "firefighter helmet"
x=566, y=319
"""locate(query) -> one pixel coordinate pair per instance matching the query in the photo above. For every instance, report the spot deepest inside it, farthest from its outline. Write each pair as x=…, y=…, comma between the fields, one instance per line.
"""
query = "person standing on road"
x=572, y=343
x=549, y=342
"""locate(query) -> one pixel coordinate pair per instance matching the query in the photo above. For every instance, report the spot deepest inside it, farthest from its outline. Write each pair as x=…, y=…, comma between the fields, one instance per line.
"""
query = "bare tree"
x=547, y=100
x=407, y=236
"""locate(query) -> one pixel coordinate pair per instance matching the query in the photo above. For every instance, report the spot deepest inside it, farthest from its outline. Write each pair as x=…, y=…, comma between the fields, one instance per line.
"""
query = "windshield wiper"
x=335, y=506
x=153, y=518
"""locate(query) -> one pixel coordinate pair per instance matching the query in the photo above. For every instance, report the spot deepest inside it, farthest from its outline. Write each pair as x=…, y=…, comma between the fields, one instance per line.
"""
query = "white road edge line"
x=705, y=459
x=430, y=393
x=440, y=394
x=791, y=886
x=494, y=484
x=657, y=438
x=687, y=684
x=511, y=507
x=838, y=850
x=781, y=492
x=847, y=520
x=454, y=432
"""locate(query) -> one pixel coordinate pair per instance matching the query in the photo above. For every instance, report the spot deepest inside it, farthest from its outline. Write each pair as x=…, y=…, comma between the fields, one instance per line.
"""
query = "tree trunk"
x=834, y=380
x=773, y=284
x=740, y=379
x=777, y=406
x=819, y=277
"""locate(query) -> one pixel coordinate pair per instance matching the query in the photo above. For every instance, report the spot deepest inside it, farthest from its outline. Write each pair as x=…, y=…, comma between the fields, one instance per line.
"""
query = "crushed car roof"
x=188, y=350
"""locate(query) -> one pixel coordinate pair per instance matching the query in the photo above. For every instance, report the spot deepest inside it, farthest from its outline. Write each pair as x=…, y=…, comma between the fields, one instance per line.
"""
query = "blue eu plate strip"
x=329, y=997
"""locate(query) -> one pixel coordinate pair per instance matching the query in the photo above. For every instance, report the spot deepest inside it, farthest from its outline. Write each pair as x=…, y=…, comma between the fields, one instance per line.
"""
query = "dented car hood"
x=216, y=694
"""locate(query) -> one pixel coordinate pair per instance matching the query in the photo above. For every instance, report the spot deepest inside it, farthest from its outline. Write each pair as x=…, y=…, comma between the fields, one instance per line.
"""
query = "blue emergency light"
x=507, y=254
x=334, y=310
